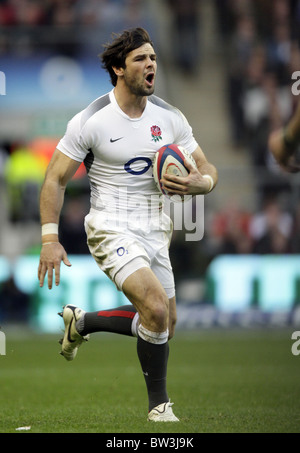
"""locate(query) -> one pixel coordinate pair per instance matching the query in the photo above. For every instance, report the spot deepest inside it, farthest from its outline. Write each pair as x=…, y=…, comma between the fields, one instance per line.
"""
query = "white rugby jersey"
x=118, y=150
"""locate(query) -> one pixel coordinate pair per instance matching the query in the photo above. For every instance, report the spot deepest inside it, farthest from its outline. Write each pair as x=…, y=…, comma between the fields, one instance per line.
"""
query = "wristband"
x=49, y=228
x=47, y=243
x=211, y=181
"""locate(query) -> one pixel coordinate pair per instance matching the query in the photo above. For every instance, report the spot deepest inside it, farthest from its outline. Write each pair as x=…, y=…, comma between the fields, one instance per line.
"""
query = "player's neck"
x=131, y=104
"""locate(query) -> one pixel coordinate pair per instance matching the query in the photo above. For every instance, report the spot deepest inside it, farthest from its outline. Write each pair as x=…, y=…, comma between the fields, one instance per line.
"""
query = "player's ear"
x=118, y=71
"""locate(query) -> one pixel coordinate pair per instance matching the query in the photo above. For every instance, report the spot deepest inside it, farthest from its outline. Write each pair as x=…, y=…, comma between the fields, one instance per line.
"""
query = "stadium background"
x=228, y=66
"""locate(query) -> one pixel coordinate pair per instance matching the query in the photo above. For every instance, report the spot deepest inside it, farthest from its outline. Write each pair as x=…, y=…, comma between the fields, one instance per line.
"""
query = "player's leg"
x=145, y=292
x=121, y=320
x=105, y=248
x=161, y=267
x=79, y=324
x=125, y=319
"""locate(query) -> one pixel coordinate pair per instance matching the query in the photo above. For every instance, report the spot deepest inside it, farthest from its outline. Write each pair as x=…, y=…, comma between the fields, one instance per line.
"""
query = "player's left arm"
x=60, y=170
x=200, y=181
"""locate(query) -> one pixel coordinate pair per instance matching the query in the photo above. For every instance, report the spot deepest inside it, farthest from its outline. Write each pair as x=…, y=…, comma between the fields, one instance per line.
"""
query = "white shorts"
x=120, y=251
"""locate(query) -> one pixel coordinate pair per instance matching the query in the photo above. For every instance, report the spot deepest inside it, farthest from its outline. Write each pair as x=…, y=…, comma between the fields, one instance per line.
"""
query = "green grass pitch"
x=221, y=381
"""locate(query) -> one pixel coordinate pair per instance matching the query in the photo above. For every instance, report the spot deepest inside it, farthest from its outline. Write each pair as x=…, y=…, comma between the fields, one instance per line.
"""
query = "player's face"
x=140, y=70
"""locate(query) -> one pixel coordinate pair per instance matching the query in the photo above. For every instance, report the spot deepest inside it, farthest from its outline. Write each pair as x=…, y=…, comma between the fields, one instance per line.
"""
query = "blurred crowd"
x=270, y=230
x=261, y=46
x=236, y=230
x=69, y=27
x=260, y=41
x=67, y=13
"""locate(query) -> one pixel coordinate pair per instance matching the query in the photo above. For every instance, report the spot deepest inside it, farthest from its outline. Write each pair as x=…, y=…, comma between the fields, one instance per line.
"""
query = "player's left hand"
x=193, y=184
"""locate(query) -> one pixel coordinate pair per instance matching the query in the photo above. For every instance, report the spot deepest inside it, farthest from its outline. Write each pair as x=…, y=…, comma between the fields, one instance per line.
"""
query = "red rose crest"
x=156, y=133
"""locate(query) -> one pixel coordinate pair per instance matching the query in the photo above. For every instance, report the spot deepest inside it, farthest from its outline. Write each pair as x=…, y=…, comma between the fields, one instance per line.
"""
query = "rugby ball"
x=169, y=159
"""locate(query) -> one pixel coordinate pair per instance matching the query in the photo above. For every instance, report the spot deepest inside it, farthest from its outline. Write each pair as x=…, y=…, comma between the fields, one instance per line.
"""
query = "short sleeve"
x=184, y=133
x=72, y=143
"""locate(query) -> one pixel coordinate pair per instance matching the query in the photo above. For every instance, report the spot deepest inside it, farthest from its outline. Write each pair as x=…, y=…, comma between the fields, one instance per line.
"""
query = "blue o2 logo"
x=121, y=251
x=148, y=163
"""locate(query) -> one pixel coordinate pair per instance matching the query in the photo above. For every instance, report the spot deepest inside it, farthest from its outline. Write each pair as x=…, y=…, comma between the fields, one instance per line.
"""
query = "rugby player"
x=116, y=137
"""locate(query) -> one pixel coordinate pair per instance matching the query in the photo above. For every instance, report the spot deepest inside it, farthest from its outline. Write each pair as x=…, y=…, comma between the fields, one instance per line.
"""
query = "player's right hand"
x=50, y=258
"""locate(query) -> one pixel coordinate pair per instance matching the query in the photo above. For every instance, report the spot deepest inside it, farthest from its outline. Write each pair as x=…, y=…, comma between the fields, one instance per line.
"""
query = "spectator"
x=271, y=229
x=185, y=36
x=230, y=230
x=295, y=235
x=14, y=305
x=240, y=51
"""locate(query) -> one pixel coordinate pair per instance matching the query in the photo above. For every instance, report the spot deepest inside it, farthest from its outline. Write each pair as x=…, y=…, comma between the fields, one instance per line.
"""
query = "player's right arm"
x=60, y=170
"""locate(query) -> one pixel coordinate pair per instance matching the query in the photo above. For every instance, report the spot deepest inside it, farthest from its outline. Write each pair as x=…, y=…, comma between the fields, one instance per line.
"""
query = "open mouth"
x=150, y=79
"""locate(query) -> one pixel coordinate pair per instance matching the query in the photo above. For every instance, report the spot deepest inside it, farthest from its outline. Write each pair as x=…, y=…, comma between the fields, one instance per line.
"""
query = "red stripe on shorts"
x=121, y=313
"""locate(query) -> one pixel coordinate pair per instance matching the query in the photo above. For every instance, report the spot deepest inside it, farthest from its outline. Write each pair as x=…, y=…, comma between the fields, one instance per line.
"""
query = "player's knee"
x=158, y=313
x=159, y=317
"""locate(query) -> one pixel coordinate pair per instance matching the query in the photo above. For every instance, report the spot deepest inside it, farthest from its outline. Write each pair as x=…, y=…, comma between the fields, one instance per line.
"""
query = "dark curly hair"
x=115, y=53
